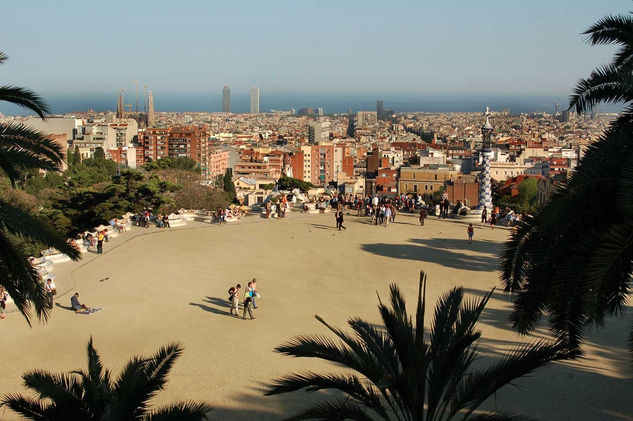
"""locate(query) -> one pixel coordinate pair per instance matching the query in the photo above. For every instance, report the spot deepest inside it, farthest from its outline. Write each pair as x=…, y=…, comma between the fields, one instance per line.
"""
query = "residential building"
x=366, y=118
x=424, y=180
x=318, y=131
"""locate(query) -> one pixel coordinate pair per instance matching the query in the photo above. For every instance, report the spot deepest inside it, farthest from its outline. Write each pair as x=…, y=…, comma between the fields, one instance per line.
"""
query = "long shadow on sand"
x=221, y=306
x=441, y=251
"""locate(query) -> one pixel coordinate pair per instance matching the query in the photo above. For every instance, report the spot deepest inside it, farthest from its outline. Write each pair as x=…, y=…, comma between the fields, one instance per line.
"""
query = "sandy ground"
x=162, y=286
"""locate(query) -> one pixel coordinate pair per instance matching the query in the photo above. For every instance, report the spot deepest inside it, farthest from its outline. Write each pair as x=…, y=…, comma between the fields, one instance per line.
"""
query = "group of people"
x=249, y=301
x=143, y=219
x=90, y=240
x=494, y=214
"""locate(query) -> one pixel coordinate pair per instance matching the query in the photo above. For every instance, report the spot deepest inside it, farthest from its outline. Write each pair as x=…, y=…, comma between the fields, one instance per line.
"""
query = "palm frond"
x=28, y=407
x=22, y=281
x=24, y=98
x=606, y=83
x=63, y=389
x=616, y=30
x=351, y=385
x=3, y=57
x=479, y=386
x=22, y=224
x=333, y=410
x=183, y=411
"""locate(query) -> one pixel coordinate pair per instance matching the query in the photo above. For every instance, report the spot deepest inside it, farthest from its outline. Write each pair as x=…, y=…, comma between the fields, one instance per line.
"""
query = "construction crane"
x=136, y=82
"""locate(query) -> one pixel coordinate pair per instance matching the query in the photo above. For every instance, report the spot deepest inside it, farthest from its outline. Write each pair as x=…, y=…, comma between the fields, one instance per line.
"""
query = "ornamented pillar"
x=485, y=189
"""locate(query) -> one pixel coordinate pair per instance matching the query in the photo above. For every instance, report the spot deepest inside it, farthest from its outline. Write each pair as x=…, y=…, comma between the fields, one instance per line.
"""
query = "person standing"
x=51, y=291
x=493, y=220
x=387, y=216
x=235, y=300
x=3, y=302
x=484, y=215
x=100, y=238
x=471, y=231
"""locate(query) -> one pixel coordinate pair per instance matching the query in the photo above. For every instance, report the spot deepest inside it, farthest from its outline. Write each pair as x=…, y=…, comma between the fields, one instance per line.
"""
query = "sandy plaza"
x=160, y=286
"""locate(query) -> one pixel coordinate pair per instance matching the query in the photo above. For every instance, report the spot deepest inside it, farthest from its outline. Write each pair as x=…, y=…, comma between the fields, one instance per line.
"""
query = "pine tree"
x=76, y=156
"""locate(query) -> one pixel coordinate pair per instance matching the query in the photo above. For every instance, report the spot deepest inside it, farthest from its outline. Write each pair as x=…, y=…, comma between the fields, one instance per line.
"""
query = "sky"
x=76, y=53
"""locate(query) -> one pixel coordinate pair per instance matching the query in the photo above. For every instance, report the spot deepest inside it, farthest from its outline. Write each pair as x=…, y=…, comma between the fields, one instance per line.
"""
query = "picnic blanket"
x=88, y=311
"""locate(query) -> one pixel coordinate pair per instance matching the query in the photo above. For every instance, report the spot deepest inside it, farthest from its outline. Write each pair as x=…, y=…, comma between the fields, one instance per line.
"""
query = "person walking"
x=254, y=293
x=387, y=217
x=493, y=220
x=100, y=238
x=470, y=231
x=248, y=305
x=51, y=291
x=234, y=297
x=422, y=216
x=3, y=302
x=339, y=220
x=484, y=215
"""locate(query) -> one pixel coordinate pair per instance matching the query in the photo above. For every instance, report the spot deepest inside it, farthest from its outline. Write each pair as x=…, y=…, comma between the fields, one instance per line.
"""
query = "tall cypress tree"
x=229, y=187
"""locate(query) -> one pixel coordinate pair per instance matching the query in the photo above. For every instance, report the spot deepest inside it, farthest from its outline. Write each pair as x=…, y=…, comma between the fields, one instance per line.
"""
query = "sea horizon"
x=331, y=103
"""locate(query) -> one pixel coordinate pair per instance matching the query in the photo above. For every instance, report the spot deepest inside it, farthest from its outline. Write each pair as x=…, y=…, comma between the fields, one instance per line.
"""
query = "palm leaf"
x=24, y=98
x=613, y=30
x=22, y=281
x=334, y=410
x=29, y=408
x=606, y=83
x=184, y=411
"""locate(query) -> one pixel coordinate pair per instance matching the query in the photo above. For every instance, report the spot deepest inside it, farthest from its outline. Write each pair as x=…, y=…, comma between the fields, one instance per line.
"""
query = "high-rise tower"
x=380, y=107
x=485, y=191
x=120, y=105
x=254, y=100
x=226, y=100
x=150, y=109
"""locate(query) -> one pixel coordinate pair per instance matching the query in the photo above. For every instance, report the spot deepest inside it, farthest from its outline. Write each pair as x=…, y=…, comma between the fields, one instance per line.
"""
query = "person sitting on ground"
x=159, y=221
x=166, y=221
x=76, y=305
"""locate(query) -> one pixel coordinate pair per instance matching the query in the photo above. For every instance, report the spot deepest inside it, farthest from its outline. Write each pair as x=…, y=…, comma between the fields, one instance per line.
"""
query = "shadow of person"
x=220, y=306
x=64, y=307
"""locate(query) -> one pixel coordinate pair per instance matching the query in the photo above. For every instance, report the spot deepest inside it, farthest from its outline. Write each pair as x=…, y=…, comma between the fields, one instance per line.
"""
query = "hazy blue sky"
x=453, y=47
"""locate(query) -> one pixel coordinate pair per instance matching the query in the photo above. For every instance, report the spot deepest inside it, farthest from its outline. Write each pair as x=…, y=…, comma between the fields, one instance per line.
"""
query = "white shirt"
x=50, y=287
x=374, y=201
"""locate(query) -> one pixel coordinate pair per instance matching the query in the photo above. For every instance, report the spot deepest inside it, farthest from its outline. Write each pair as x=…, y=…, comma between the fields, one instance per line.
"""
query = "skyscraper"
x=380, y=107
x=254, y=100
x=120, y=106
x=226, y=100
x=150, y=109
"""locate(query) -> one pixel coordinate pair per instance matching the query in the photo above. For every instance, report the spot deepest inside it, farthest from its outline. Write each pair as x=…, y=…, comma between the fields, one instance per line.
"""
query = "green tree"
x=180, y=163
x=99, y=154
x=229, y=187
x=397, y=374
x=289, y=183
x=572, y=262
x=76, y=156
x=93, y=395
x=24, y=148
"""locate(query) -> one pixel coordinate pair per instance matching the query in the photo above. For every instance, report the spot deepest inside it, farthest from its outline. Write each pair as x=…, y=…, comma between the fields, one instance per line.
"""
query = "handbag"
x=54, y=292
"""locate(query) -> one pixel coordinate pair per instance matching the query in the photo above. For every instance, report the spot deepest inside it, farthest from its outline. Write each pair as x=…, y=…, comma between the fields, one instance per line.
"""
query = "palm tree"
x=94, y=396
x=23, y=148
x=573, y=260
x=400, y=375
